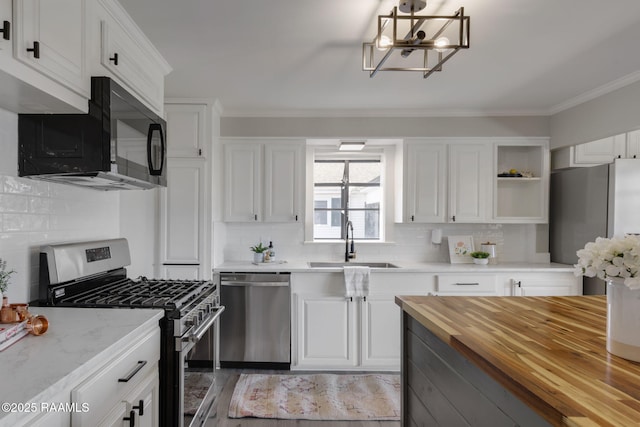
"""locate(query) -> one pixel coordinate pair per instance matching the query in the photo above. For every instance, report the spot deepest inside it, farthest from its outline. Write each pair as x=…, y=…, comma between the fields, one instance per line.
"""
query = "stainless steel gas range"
x=93, y=274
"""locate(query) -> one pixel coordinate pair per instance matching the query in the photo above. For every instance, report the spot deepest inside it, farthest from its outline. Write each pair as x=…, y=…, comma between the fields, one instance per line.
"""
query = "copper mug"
x=37, y=325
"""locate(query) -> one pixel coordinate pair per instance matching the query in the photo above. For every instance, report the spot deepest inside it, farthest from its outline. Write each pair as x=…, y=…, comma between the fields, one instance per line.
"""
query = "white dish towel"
x=356, y=281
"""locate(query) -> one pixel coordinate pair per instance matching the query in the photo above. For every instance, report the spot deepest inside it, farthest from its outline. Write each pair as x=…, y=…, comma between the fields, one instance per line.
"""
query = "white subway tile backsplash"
x=412, y=242
x=14, y=203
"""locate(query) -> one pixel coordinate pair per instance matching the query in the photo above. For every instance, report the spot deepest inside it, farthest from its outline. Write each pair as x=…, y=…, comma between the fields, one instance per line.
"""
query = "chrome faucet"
x=349, y=254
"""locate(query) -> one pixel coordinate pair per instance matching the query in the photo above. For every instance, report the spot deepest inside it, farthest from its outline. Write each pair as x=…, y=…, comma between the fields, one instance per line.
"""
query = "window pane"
x=327, y=224
x=336, y=216
x=359, y=197
x=320, y=217
x=366, y=224
x=326, y=231
x=360, y=173
x=328, y=172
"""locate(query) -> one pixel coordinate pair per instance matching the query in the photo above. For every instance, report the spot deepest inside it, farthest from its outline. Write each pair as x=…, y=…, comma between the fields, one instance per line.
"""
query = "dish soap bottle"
x=272, y=252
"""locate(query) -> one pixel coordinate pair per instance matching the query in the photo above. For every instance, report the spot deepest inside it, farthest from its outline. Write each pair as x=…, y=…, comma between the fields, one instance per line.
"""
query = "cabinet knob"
x=35, y=49
x=412, y=218
x=114, y=59
x=255, y=217
x=453, y=218
x=6, y=30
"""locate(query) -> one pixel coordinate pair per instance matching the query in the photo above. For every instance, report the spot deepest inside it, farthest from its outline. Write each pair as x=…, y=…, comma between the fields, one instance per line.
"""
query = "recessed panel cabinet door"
x=426, y=182
x=242, y=181
x=380, y=339
x=326, y=328
x=283, y=182
x=50, y=37
x=469, y=182
x=183, y=217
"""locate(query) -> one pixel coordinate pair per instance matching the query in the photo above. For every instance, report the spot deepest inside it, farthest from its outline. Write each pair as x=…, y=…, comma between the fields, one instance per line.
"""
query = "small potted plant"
x=4, y=278
x=258, y=252
x=480, y=257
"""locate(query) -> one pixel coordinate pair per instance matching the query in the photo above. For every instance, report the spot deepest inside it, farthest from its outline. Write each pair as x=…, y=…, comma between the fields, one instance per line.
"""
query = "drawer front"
x=466, y=284
x=108, y=386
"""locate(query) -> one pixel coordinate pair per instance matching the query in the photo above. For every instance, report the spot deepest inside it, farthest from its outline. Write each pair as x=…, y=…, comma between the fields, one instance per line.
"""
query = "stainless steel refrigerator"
x=585, y=203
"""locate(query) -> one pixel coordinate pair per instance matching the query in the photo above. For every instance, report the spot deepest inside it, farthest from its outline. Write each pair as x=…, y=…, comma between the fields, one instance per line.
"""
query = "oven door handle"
x=197, y=335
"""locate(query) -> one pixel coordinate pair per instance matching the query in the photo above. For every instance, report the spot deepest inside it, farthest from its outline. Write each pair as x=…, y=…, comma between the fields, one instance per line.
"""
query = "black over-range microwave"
x=118, y=145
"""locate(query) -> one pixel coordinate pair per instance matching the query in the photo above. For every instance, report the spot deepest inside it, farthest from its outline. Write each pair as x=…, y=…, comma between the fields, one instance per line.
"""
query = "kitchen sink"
x=322, y=264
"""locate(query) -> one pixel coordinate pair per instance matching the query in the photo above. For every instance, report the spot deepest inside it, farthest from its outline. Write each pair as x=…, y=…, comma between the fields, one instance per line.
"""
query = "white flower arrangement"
x=618, y=257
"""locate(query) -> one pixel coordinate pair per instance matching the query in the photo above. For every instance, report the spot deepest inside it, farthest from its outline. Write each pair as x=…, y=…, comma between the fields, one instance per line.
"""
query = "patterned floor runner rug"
x=317, y=397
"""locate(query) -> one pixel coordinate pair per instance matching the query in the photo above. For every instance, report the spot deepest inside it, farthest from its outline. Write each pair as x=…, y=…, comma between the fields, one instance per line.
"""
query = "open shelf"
x=521, y=198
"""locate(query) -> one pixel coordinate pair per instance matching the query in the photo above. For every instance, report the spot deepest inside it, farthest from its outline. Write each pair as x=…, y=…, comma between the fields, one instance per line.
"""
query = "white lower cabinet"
x=139, y=408
x=126, y=387
x=540, y=284
x=467, y=284
x=330, y=331
x=326, y=330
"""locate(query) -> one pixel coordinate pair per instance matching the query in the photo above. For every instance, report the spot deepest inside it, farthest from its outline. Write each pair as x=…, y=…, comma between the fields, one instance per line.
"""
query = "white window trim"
x=386, y=155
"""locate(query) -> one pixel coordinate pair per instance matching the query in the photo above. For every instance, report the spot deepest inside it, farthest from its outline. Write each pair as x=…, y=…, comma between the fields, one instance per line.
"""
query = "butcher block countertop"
x=550, y=352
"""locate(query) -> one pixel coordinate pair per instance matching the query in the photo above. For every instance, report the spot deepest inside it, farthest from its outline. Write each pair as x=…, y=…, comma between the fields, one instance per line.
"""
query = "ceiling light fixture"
x=351, y=145
x=405, y=34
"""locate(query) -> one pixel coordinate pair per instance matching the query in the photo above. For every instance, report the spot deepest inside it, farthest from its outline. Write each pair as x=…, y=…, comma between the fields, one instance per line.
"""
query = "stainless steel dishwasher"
x=255, y=329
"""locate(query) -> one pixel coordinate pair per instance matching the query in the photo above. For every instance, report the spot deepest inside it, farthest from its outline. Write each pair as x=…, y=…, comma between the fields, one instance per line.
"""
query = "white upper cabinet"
x=521, y=199
x=242, y=182
x=50, y=49
x=121, y=51
x=446, y=181
x=186, y=130
x=6, y=20
x=283, y=182
x=425, y=182
x=57, y=81
x=600, y=151
x=50, y=37
x=633, y=144
x=469, y=182
x=263, y=181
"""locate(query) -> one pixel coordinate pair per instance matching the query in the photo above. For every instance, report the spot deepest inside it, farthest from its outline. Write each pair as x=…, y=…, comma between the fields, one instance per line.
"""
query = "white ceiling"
x=304, y=57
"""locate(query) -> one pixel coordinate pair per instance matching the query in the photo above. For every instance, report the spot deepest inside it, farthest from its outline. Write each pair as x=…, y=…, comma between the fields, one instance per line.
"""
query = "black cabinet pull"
x=412, y=218
x=140, y=407
x=255, y=217
x=114, y=59
x=6, y=30
x=131, y=418
x=35, y=49
x=453, y=218
x=296, y=217
x=140, y=365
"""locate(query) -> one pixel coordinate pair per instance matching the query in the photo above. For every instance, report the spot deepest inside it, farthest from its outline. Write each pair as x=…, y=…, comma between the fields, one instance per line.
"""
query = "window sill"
x=341, y=241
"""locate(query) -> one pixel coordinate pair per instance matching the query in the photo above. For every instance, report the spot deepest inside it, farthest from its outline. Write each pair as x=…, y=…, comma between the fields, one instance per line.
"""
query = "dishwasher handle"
x=258, y=284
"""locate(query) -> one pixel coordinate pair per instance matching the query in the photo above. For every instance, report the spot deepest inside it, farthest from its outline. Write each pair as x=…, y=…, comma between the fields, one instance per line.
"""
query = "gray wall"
x=610, y=114
x=383, y=127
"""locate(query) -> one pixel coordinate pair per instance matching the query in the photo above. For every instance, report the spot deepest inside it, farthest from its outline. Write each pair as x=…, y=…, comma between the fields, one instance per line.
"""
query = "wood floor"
x=228, y=379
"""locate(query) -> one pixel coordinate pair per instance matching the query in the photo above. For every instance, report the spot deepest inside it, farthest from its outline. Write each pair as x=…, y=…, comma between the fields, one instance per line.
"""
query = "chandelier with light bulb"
x=415, y=42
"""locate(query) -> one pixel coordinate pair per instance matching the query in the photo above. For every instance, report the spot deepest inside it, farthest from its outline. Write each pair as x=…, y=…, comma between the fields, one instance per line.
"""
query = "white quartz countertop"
x=403, y=267
x=78, y=341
